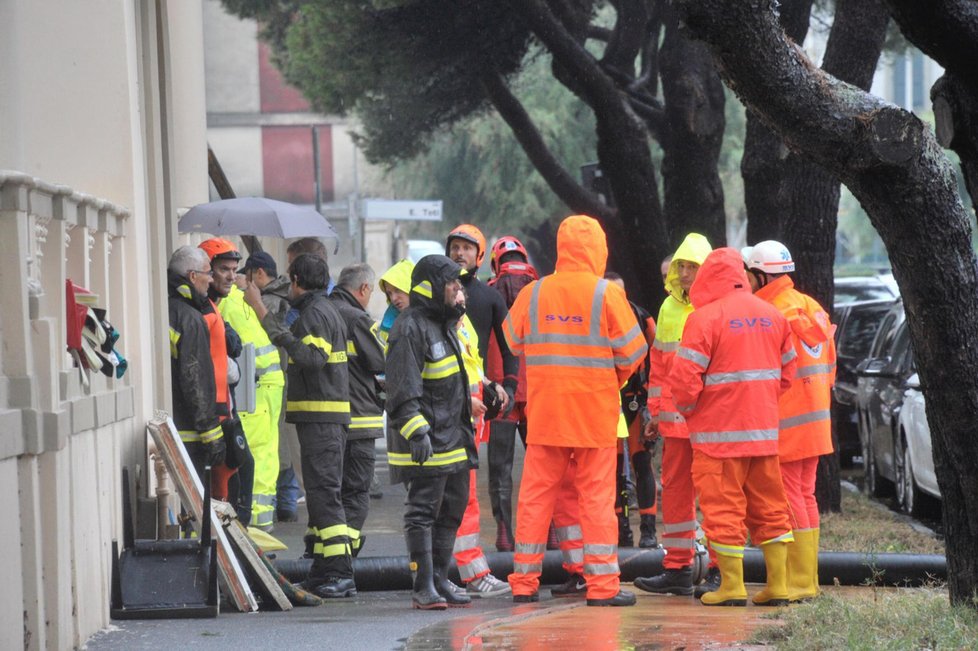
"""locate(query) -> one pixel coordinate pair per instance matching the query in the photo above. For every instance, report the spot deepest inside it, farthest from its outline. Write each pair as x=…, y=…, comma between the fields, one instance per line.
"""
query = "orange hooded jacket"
x=734, y=361
x=806, y=423
x=580, y=341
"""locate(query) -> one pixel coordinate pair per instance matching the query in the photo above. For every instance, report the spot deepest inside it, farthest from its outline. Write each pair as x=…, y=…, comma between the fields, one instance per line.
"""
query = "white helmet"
x=769, y=256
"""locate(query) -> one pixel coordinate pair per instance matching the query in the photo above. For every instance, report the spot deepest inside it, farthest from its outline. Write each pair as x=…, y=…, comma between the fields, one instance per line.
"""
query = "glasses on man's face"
x=205, y=271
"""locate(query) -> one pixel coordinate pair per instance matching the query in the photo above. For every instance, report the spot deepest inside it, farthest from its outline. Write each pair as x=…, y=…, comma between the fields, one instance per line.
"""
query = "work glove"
x=420, y=448
x=511, y=392
x=214, y=452
x=490, y=397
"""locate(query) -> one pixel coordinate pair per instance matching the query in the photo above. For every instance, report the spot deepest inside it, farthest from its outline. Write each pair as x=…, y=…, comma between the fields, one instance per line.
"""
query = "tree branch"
x=563, y=184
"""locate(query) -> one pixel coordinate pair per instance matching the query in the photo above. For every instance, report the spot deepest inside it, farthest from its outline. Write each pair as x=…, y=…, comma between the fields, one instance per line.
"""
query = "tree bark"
x=947, y=31
x=763, y=164
x=891, y=162
x=692, y=138
x=812, y=193
x=637, y=236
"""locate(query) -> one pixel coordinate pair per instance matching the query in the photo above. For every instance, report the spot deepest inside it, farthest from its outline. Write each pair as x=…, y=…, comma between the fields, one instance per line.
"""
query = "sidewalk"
x=385, y=620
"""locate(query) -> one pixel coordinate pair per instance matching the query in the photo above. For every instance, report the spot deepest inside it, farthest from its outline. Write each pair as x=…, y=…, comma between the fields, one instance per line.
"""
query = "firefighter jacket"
x=427, y=387
x=734, y=361
x=668, y=331
x=398, y=277
x=318, y=389
x=806, y=423
x=191, y=368
x=634, y=395
x=513, y=277
x=365, y=361
x=580, y=340
x=268, y=370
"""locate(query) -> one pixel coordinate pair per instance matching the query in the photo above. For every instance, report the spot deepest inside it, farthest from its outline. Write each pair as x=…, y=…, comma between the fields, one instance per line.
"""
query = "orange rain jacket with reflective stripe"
x=734, y=361
x=669, y=330
x=580, y=341
x=806, y=424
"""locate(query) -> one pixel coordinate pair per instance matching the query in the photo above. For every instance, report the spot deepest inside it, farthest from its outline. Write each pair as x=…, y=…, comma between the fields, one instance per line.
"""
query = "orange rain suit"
x=806, y=425
x=678, y=495
x=734, y=361
x=581, y=342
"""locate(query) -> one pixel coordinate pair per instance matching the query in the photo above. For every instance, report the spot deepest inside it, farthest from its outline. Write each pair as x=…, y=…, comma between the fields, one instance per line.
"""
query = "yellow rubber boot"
x=732, y=591
x=775, y=593
x=814, y=564
x=800, y=586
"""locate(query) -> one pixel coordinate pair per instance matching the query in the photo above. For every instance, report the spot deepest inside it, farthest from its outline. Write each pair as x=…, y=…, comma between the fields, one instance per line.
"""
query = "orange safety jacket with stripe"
x=580, y=341
x=669, y=330
x=219, y=359
x=806, y=422
x=734, y=361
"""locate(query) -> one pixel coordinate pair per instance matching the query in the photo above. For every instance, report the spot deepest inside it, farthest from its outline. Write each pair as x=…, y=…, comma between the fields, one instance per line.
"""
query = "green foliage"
x=480, y=171
x=405, y=68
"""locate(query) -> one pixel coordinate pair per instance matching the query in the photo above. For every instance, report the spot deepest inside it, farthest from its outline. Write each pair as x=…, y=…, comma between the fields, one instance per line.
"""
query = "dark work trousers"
x=323, y=446
x=358, y=471
x=436, y=503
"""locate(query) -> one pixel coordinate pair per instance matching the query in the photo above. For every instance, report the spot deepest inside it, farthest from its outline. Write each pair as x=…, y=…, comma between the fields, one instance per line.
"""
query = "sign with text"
x=390, y=209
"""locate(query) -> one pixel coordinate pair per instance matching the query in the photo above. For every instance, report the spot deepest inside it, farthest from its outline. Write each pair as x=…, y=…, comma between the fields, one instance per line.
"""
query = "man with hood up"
x=678, y=495
x=581, y=343
x=430, y=441
x=735, y=359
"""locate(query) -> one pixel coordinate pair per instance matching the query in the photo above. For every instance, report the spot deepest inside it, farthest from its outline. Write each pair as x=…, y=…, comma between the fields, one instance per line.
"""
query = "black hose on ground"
x=376, y=573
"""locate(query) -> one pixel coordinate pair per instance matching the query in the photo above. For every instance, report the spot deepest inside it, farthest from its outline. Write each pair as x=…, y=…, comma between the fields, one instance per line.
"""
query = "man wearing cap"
x=319, y=405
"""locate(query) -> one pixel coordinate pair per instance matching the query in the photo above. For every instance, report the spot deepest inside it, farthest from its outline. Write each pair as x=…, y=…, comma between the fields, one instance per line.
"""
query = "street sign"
x=389, y=209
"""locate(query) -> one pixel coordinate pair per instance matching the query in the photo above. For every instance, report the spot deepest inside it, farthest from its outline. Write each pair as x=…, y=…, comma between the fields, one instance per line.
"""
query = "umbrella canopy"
x=255, y=216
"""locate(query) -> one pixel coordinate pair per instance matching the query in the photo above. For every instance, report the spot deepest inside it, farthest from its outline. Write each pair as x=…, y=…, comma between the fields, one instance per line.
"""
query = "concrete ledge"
x=82, y=414
x=124, y=407
x=12, y=442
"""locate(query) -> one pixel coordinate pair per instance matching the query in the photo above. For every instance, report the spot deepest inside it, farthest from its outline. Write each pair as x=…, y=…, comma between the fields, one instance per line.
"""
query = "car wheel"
x=900, y=471
x=876, y=484
x=909, y=496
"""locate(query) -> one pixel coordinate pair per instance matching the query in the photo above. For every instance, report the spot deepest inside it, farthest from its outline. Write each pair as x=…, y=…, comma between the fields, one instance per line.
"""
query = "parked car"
x=856, y=326
x=880, y=386
x=853, y=289
x=916, y=479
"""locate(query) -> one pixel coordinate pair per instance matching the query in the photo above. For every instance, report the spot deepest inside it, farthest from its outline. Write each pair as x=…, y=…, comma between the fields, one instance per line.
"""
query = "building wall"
x=102, y=136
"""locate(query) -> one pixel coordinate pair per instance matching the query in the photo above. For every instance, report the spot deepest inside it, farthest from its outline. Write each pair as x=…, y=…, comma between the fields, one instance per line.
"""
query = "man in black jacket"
x=365, y=362
x=430, y=442
x=318, y=403
x=191, y=368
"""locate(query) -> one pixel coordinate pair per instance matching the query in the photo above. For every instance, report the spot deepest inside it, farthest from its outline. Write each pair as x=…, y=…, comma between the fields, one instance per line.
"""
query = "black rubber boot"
x=623, y=598
x=671, y=581
x=710, y=584
x=502, y=447
x=423, y=596
x=647, y=530
x=625, y=536
x=455, y=596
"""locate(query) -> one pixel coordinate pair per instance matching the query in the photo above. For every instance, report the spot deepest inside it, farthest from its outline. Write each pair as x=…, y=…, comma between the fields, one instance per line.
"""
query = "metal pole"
x=316, y=169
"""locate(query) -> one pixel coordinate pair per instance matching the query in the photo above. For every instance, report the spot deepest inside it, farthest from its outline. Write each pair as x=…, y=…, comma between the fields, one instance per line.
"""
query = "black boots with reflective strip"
x=423, y=596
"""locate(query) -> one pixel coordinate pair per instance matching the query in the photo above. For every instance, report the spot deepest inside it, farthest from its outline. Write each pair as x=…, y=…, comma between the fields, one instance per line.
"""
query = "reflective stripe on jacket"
x=733, y=363
x=806, y=423
x=669, y=330
x=580, y=340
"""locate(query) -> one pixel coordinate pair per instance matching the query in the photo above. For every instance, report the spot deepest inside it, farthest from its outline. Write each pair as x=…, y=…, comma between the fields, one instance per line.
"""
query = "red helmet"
x=469, y=233
x=504, y=245
x=218, y=247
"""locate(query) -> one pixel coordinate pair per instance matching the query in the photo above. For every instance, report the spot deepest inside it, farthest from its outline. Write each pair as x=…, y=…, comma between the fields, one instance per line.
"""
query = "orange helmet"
x=504, y=245
x=469, y=233
x=217, y=247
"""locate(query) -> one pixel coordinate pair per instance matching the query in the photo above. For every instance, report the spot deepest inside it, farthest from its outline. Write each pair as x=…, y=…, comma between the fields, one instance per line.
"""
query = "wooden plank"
x=191, y=491
x=239, y=537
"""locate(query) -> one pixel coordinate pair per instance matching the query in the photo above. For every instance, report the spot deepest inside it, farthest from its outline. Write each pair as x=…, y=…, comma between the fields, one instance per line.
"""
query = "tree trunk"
x=947, y=31
x=692, y=138
x=809, y=224
x=637, y=236
x=763, y=164
x=891, y=162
